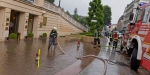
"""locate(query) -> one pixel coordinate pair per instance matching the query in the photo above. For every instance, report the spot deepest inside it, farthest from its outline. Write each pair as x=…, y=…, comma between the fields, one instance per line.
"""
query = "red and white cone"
x=78, y=43
x=36, y=57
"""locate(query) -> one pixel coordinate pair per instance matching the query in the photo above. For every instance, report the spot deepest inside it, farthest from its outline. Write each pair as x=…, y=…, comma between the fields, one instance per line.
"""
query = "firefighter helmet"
x=55, y=28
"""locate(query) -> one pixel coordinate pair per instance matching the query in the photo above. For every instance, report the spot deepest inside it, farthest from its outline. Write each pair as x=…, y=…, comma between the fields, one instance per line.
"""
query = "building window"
x=31, y=0
x=44, y=21
x=147, y=9
x=41, y=24
x=139, y=13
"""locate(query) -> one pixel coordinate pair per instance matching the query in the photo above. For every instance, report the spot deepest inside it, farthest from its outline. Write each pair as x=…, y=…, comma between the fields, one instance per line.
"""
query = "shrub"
x=84, y=33
x=87, y=33
x=44, y=34
x=30, y=35
x=62, y=36
x=13, y=36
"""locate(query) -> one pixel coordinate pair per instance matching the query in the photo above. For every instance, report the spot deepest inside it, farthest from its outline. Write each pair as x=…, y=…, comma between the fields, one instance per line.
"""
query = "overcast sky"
x=117, y=7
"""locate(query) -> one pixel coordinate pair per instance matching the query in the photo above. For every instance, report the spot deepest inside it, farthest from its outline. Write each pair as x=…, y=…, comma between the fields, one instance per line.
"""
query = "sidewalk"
x=97, y=66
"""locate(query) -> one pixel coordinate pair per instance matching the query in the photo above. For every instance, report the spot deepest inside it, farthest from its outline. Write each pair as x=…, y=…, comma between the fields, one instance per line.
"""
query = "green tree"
x=115, y=29
x=76, y=17
x=107, y=14
x=75, y=11
x=68, y=13
x=95, y=13
x=51, y=1
x=83, y=21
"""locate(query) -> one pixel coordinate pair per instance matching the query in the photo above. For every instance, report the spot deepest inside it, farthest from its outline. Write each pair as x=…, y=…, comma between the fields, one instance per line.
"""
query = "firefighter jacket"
x=53, y=34
x=97, y=34
x=115, y=36
x=111, y=35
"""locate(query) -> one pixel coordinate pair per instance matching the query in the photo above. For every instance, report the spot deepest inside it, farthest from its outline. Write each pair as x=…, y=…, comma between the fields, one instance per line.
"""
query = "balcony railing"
x=32, y=1
x=55, y=9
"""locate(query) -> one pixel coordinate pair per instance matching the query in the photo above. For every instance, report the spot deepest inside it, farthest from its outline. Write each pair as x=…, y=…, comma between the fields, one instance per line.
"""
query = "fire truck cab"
x=137, y=37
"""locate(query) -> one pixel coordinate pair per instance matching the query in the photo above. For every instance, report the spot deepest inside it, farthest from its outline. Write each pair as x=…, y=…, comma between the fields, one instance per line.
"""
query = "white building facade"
x=36, y=17
x=120, y=23
x=128, y=10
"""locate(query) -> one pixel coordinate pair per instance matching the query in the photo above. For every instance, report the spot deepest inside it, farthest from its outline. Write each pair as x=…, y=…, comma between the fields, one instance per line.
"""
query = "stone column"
x=25, y=25
x=5, y=22
x=2, y=19
x=22, y=23
x=35, y=26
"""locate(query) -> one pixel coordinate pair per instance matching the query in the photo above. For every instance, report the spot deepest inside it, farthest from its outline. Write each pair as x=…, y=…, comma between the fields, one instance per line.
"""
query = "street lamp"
x=43, y=13
x=59, y=2
x=94, y=20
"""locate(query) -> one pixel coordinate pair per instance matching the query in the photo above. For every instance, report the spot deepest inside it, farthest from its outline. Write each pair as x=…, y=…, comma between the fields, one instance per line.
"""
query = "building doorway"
x=30, y=23
x=14, y=22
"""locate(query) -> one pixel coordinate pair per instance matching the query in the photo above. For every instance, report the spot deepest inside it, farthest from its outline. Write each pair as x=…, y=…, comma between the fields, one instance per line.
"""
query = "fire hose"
x=104, y=61
x=105, y=64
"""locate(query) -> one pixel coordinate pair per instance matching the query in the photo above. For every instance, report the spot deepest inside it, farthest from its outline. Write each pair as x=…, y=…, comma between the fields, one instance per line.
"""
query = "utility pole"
x=59, y=2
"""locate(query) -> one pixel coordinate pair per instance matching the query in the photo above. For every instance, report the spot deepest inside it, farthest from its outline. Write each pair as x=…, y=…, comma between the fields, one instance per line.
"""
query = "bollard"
x=38, y=58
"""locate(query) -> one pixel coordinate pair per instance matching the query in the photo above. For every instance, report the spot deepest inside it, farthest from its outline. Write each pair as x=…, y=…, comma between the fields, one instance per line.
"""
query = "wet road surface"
x=119, y=68
x=19, y=58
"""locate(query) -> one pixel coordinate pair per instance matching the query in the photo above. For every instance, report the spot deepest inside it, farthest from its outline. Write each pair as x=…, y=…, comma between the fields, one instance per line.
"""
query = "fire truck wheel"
x=134, y=63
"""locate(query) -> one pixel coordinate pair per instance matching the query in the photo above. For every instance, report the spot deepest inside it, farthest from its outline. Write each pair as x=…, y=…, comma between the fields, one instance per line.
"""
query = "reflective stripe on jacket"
x=96, y=34
x=53, y=34
x=110, y=35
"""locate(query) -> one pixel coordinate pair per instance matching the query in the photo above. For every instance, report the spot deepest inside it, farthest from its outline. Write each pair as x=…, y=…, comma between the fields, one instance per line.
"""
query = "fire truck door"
x=146, y=19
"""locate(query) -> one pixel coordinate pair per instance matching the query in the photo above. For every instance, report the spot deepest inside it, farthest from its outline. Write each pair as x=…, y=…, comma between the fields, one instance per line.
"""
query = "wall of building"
x=2, y=11
x=54, y=19
x=128, y=10
x=120, y=23
x=113, y=26
x=127, y=13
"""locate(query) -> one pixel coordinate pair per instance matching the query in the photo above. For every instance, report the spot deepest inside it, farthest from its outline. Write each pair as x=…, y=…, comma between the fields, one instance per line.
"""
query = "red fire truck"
x=137, y=37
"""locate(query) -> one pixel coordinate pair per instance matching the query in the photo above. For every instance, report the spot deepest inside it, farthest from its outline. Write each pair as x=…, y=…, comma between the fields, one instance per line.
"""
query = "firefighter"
x=115, y=40
x=111, y=37
x=96, y=38
x=122, y=43
x=53, y=38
